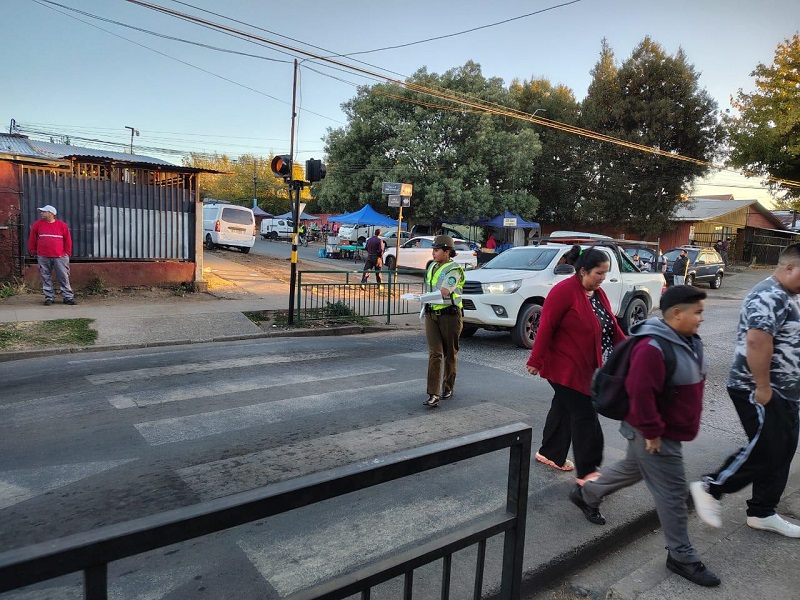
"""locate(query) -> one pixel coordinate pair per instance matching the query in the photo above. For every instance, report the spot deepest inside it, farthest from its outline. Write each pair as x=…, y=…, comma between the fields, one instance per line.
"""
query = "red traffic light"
x=281, y=165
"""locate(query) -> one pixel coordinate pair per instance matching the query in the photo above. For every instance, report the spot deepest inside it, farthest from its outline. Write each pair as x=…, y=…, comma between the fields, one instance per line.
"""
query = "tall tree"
x=463, y=163
x=557, y=173
x=765, y=134
x=652, y=99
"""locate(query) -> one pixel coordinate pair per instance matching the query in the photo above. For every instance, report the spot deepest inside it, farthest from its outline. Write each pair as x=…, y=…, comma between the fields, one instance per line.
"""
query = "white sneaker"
x=708, y=508
x=776, y=524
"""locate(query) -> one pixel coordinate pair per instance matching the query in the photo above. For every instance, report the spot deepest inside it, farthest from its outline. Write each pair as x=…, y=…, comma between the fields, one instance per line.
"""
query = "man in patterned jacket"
x=764, y=384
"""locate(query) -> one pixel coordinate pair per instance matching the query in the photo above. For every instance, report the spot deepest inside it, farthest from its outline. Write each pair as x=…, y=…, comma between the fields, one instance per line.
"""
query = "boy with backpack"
x=664, y=389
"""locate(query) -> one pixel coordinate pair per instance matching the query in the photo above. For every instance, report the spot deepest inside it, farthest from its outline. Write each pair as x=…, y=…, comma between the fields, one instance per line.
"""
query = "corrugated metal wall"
x=114, y=219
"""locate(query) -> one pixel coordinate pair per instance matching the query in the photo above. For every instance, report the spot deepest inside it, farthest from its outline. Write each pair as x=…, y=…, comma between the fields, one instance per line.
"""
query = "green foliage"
x=234, y=183
x=462, y=163
x=7, y=290
x=37, y=334
x=95, y=287
x=652, y=99
x=765, y=134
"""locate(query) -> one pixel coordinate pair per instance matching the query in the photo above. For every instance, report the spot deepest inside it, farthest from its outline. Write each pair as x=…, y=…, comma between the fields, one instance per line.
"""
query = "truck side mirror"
x=564, y=270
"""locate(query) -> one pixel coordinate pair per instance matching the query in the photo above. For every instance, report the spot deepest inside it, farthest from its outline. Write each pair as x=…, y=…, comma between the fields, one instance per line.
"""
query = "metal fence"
x=332, y=295
x=91, y=552
x=115, y=219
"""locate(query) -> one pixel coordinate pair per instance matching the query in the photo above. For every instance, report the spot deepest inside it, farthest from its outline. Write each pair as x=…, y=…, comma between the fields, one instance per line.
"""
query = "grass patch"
x=30, y=335
x=95, y=287
x=259, y=316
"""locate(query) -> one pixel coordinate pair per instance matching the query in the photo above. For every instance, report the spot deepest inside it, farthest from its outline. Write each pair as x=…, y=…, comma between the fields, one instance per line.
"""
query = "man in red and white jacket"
x=51, y=243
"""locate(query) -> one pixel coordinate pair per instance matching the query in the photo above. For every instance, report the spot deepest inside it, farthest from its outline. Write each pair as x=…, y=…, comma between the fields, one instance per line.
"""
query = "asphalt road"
x=93, y=440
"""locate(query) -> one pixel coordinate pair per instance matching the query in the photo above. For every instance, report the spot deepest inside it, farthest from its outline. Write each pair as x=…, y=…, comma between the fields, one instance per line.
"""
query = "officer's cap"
x=446, y=242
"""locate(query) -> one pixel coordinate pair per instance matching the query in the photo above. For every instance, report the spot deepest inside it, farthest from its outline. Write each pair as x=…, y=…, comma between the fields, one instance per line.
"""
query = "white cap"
x=48, y=208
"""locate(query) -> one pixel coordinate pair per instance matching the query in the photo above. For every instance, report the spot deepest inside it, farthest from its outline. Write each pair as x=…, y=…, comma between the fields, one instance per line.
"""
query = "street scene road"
x=96, y=439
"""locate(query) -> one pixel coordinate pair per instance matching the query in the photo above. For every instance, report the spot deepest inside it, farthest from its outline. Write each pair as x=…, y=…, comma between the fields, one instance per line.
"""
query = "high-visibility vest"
x=449, y=273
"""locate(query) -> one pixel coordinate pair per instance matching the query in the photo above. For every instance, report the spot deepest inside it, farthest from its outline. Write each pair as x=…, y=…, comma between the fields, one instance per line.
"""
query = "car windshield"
x=675, y=252
x=524, y=259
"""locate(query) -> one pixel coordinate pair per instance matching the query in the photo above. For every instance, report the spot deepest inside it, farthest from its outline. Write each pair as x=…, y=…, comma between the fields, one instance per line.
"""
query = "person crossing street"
x=443, y=319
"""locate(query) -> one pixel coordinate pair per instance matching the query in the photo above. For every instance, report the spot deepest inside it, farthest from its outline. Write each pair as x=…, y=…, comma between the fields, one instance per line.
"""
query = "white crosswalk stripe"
x=234, y=386
x=229, y=476
x=179, y=429
x=205, y=367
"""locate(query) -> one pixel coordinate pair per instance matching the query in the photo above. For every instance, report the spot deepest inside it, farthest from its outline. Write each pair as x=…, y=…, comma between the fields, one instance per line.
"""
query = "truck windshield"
x=523, y=259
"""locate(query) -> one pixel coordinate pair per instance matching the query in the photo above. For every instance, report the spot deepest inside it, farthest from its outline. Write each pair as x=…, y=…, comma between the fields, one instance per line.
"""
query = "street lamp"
x=539, y=109
x=136, y=131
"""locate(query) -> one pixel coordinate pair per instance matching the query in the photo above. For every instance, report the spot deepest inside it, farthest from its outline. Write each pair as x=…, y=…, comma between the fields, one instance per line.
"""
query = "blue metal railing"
x=91, y=552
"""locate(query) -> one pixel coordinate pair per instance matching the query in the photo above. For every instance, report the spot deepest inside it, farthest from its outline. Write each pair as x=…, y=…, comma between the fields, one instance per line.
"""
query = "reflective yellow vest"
x=449, y=273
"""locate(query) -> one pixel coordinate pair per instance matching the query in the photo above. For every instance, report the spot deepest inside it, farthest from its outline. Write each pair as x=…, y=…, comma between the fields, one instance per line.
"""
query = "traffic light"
x=315, y=170
x=281, y=165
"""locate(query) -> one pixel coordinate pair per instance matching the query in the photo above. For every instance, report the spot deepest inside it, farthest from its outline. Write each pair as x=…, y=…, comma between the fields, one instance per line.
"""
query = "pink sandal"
x=567, y=466
x=590, y=477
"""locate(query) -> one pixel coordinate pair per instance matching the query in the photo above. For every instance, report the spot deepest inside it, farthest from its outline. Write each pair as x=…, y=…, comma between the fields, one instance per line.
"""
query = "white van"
x=274, y=229
x=226, y=224
x=358, y=234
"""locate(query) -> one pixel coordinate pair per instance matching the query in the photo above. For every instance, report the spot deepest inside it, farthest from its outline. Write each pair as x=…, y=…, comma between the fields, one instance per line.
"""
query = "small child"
x=662, y=415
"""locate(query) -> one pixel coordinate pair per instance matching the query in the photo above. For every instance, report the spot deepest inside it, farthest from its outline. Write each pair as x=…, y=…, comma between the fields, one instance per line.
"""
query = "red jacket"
x=567, y=346
x=51, y=240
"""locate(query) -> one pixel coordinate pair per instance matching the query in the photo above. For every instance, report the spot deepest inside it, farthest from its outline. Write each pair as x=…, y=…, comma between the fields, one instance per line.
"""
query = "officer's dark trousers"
x=442, y=332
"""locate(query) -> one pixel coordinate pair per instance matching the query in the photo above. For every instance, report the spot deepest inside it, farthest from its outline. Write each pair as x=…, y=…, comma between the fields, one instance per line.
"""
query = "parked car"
x=228, y=225
x=277, y=229
x=508, y=292
x=705, y=265
x=390, y=239
x=416, y=253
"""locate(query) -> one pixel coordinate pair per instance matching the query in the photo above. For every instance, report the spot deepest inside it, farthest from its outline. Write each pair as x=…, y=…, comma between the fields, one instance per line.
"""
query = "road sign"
x=406, y=189
x=389, y=187
x=397, y=200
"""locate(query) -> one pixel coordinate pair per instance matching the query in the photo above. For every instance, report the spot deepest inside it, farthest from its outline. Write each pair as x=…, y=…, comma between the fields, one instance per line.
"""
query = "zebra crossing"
x=254, y=415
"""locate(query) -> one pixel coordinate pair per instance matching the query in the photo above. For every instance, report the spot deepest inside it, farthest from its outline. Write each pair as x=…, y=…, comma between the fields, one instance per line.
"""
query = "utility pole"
x=255, y=184
x=295, y=186
x=132, y=132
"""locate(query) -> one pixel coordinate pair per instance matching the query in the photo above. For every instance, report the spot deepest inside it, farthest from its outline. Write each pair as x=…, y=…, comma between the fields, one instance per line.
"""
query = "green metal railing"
x=333, y=295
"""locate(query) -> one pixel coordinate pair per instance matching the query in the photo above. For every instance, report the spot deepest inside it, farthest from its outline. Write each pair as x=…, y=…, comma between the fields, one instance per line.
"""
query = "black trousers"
x=371, y=263
x=765, y=461
x=572, y=418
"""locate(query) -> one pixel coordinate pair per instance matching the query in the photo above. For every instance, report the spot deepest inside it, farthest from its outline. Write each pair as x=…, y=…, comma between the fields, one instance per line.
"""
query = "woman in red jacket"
x=576, y=333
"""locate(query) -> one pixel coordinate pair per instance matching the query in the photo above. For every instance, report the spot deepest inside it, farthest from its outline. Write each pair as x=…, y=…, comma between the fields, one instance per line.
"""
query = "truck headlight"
x=501, y=287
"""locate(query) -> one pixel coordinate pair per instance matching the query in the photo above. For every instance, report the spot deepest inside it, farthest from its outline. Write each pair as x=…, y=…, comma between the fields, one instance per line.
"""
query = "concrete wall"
x=121, y=274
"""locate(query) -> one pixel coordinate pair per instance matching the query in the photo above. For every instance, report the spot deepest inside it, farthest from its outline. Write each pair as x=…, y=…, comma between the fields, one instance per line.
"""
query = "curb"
x=331, y=331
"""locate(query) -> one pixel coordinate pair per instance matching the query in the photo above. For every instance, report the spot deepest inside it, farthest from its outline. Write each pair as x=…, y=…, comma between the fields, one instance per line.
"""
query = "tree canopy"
x=464, y=164
x=764, y=135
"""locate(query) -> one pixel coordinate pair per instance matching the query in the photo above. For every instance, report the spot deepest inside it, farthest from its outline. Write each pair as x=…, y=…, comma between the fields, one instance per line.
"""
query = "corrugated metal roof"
x=23, y=146
x=702, y=210
x=52, y=150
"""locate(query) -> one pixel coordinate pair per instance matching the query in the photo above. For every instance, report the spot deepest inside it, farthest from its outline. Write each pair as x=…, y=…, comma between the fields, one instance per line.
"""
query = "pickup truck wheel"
x=390, y=261
x=635, y=312
x=690, y=279
x=524, y=331
x=468, y=330
x=245, y=250
x=209, y=244
x=361, y=240
x=716, y=282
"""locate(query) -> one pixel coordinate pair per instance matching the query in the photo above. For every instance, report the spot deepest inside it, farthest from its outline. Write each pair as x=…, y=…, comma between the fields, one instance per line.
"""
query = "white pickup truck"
x=508, y=292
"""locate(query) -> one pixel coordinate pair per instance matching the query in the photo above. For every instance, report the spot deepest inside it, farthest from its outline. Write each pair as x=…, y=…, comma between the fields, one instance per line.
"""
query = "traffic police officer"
x=443, y=320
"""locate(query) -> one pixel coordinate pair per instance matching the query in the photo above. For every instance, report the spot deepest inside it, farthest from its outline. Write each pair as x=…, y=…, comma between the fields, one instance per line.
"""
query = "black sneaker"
x=695, y=572
x=592, y=514
x=70, y=302
x=433, y=400
x=447, y=395
x=48, y=302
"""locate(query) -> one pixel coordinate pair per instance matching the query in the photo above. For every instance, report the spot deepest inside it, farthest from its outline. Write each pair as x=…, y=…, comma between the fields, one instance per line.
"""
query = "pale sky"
x=62, y=76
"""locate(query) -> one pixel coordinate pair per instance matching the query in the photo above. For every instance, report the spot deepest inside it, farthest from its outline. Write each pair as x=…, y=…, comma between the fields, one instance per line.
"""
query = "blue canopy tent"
x=303, y=216
x=500, y=223
x=365, y=216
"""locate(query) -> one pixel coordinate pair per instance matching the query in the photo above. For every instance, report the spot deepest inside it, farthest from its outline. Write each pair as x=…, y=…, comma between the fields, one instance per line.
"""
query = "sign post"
x=399, y=196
